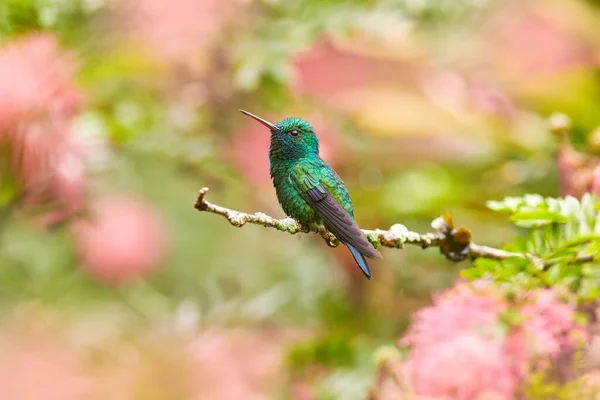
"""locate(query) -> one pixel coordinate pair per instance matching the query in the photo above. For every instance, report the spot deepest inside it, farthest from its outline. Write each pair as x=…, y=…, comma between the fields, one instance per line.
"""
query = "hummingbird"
x=309, y=190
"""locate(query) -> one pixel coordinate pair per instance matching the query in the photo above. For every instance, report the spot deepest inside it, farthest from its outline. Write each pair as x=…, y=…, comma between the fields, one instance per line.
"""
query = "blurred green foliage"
x=66, y=18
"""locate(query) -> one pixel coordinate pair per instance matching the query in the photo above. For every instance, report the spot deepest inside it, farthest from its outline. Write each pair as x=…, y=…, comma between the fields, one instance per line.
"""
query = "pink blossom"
x=36, y=82
x=517, y=346
x=549, y=325
x=123, y=239
x=38, y=103
x=466, y=366
x=457, y=346
x=461, y=349
x=455, y=311
x=548, y=330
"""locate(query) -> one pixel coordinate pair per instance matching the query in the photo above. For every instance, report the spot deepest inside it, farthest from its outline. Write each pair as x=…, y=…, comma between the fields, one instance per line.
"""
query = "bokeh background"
x=114, y=113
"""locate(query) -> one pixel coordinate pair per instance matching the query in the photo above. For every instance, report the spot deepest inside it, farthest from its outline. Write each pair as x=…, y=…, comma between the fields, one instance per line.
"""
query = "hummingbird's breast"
x=290, y=199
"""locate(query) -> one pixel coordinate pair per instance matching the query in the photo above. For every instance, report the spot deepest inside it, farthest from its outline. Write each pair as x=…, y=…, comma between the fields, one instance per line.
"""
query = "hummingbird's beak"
x=269, y=125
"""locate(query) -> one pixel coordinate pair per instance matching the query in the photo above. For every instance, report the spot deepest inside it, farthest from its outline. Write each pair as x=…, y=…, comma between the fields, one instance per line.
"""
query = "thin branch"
x=453, y=243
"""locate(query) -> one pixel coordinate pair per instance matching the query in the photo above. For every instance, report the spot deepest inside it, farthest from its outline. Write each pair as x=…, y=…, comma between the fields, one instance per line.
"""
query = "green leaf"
x=573, y=246
x=570, y=207
x=533, y=200
x=509, y=204
x=332, y=350
x=589, y=289
x=553, y=274
x=480, y=268
x=536, y=218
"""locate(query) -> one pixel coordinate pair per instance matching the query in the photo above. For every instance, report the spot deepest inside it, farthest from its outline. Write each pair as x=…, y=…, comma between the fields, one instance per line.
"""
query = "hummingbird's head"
x=292, y=137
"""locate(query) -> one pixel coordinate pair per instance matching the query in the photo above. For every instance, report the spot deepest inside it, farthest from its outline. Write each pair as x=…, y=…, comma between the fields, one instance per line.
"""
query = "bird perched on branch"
x=309, y=190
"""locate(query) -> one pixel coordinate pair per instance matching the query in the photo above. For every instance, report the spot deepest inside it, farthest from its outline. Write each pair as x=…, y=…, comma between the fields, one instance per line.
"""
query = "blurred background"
x=113, y=114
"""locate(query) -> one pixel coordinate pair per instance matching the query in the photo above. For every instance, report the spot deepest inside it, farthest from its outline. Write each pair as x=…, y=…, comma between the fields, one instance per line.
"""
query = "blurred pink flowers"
x=38, y=103
x=454, y=311
x=327, y=71
x=237, y=364
x=36, y=364
x=467, y=366
x=174, y=31
x=462, y=348
x=49, y=358
x=549, y=325
x=457, y=347
x=36, y=81
x=123, y=239
x=534, y=39
x=579, y=173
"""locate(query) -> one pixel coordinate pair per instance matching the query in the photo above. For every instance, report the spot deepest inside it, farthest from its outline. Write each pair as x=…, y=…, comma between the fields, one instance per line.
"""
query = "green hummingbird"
x=309, y=190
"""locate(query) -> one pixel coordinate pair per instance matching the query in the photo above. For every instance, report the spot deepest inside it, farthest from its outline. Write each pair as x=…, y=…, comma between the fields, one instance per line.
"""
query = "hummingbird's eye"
x=294, y=133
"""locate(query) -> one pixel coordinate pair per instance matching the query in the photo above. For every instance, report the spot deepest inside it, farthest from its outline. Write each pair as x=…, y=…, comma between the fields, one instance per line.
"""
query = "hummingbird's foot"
x=329, y=237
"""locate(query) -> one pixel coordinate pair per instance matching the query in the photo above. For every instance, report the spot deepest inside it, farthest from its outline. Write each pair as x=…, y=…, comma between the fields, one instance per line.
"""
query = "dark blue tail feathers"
x=360, y=260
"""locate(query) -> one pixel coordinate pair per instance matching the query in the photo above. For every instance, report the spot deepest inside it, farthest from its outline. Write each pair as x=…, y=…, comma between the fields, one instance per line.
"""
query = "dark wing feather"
x=338, y=221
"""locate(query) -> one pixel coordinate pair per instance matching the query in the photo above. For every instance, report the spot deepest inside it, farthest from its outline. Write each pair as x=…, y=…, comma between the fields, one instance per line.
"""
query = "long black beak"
x=269, y=125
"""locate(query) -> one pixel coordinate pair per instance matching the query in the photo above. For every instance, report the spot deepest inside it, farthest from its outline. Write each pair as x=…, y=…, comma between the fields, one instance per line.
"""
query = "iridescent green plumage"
x=309, y=190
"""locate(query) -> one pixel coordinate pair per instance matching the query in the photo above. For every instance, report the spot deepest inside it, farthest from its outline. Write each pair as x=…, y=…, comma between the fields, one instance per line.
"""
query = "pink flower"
x=455, y=311
x=36, y=82
x=123, y=239
x=457, y=346
x=460, y=348
x=548, y=331
x=517, y=346
x=466, y=366
x=550, y=325
x=38, y=103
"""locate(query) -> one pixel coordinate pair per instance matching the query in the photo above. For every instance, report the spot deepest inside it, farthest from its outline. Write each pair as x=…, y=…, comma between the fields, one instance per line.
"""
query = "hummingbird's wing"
x=337, y=219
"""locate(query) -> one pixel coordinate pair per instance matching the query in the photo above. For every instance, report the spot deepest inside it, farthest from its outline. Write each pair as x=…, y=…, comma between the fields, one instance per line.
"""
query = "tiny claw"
x=332, y=241
x=329, y=237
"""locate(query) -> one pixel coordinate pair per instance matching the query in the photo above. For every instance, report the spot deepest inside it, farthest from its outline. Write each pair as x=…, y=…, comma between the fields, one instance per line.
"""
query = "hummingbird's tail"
x=360, y=260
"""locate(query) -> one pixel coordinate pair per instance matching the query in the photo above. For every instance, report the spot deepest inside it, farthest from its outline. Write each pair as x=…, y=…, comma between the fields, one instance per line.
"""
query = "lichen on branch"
x=455, y=244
